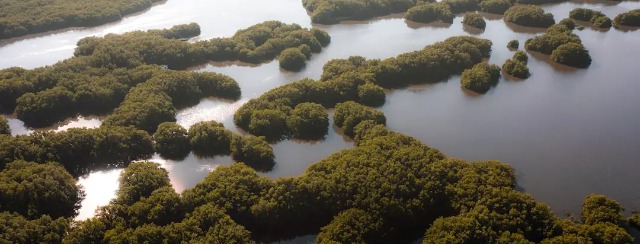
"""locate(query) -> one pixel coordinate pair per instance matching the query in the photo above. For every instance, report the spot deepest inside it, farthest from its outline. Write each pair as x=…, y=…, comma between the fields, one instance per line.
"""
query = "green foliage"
x=371, y=95
x=46, y=107
x=333, y=11
x=351, y=226
x=234, y=188
x=27, y=17
x=572, y=54
x=554, y=37
x=139, y=180
x=171, y=141
x=513, y=44
x=4, y=126
x=461, y=6
x=349, y=114
x=308, y=121
x=15, y=228
x=270, y=123
x=631, y=18
x=495, y=6
x=529, y=15
x=253, y=151
x=521, y=56
x=322, y=36
x=481, y=77
x=292, y=59
x=430, y=12
x=600, y=209
x=79, y=150
x=516, y=68
x=634, y=221
x=474, y=20
x=595, y=17
x=33, y=190
x=210, y=138
x=567, y=22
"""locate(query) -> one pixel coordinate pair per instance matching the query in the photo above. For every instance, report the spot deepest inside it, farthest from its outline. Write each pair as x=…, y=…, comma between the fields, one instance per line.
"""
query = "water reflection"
x=18, y=127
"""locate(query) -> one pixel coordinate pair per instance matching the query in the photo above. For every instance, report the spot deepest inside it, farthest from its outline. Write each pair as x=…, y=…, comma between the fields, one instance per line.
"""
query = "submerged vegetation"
x=474, y=20
x=116, y=72
x=360, y=80
x=19, y=18
x=596, y=18
x=430, y=12
x=563, y=46
x=481, y=77
x=631, y=18
x=517, y=66
x=529, y=15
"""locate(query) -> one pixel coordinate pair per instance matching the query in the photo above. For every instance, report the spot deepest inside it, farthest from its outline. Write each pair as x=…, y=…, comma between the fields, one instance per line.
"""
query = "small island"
x=631, y=18
x=474, y=20
x=481, y=77
x=430, y=12
x=529, y=15
x=596, y=18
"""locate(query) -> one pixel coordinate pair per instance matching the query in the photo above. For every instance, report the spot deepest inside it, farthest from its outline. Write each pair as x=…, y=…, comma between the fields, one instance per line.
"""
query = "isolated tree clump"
x=292, y=59
x=572, y=54
x=171, y=141
x=4, y=126
x=513, y=44
x=529, y=15
x=430, y=12
x=631, y=18
x=308, y=121
x=517, y=66
x=254, y=151
x=495, y=6
x=481, y=77
x=474, y=20
x=594, y=17
x=349, y=114
x=209, y=138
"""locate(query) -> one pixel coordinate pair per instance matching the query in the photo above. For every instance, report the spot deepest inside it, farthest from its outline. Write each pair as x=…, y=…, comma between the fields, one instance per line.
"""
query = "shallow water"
x=567, y=132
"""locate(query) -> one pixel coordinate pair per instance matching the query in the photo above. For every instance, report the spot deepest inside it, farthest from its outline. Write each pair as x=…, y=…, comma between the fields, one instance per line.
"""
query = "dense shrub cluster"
x=171, y=141
x=474, y=20
x=513, y=44
x=430, y=12
x=563, y=46
x=529, y=15
x=253, y=151
x=79, y=150
x=4, y=126
x=308, y=121
x=388, y=188
x=634, y=221
x=292, y=59
x=572, y=54
x=596, y=18
x=631, y=18
x=210, y=138
x=360, y=80
x=461, y=6
x=20, y=18
x=481, y=77
x=333, y=11
x=349, y=114
x=517, y=66
x=495, y=6
x=105, y=69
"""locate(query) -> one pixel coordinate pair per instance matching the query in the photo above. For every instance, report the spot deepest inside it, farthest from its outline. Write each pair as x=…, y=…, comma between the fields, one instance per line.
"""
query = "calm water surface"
x=567, y=132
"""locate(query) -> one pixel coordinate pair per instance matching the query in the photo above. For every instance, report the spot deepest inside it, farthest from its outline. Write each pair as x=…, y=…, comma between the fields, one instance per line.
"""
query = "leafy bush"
x=171, y=141
x=33, y=190
x=572, y=54
x=596, y=18
x=516, y=68
x=333, y=11
x=631, y=18
x=292, y=59
x=351, y=226
x=4, y=126
x=349, y=114
x=481, y=77
x=253, y=151
x=430, y=12
x=521, y=56
x=529, y=15
x=600, y=209
x=210, y=138
x=371, y=95
x=554, y=37
x=474, y=20
x=513, y=44
x=495, y=6
x=308, y=121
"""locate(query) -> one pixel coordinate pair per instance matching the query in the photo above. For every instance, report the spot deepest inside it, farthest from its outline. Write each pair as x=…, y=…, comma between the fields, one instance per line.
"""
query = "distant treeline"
x=23, y=17
x=124, y=72
x=360, y=80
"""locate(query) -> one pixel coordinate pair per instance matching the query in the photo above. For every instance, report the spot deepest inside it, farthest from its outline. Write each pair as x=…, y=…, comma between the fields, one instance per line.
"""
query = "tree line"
x=19, y=18
x=388, y=188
